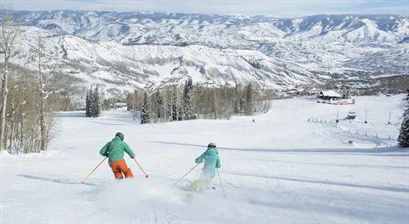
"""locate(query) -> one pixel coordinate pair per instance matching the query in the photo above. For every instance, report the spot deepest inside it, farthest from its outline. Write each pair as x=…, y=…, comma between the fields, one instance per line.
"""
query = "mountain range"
x=124, y=50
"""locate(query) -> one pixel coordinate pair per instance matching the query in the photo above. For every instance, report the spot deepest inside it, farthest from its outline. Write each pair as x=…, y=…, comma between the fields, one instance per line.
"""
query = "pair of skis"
x=147, y=175
x=198, y=182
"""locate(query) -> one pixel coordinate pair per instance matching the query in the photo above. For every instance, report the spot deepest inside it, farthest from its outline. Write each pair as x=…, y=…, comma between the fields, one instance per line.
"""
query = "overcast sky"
x=278, y=8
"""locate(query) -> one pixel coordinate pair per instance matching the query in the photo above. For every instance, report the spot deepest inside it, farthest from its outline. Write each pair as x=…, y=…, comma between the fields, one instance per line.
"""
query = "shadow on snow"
x=335, y=164
x=70, y=114
x=377, y=151
x=324, y=182
x=54, y=180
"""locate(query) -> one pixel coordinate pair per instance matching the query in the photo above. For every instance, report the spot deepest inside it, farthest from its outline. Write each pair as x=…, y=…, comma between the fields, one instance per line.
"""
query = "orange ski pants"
x=121, y=170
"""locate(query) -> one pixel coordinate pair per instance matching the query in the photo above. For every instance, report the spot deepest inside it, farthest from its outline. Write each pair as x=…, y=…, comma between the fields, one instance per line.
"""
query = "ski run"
x=294, y=164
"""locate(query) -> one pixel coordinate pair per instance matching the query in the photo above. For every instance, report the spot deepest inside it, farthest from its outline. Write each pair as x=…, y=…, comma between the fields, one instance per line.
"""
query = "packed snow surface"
x=294, y=164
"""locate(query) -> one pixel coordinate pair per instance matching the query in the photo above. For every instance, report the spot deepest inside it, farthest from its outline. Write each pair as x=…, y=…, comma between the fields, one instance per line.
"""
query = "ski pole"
x=140, y=167
x=221, y=184
x=191, y=170
x=99, y=164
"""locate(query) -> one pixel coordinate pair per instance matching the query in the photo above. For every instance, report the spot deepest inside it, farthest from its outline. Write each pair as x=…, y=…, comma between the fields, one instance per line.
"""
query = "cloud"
x=279, y=8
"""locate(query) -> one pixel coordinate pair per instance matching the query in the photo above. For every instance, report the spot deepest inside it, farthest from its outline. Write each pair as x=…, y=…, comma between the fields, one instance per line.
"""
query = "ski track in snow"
x=280, y=169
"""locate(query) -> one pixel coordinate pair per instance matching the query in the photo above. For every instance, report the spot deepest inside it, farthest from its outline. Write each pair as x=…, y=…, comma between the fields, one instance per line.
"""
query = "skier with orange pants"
x=115, y=151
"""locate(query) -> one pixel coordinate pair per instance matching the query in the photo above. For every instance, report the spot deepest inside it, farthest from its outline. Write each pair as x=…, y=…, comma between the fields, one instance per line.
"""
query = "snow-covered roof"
x=120, y=104
x=330, y=93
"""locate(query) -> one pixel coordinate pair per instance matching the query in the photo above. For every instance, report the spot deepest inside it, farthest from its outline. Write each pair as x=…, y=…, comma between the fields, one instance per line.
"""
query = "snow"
x=94, y=41
x=117, y=66
x=283, y=168
x=385, y=76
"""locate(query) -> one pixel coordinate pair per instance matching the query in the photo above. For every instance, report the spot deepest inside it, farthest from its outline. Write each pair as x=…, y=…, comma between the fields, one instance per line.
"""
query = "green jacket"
x=115, y=149
x=211, y=161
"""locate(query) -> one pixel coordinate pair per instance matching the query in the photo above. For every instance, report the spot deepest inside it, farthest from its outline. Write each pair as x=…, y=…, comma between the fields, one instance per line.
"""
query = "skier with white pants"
x=212, y=162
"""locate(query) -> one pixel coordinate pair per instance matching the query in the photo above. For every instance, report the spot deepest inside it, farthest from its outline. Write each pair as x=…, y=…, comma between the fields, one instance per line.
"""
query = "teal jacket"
x=116, y=149
x=211, y=161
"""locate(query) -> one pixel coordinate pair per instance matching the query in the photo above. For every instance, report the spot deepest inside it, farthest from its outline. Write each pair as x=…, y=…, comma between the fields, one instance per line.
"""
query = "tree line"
x=27, y=97
x=93, y=102
x=404, y=131
x=189, y=101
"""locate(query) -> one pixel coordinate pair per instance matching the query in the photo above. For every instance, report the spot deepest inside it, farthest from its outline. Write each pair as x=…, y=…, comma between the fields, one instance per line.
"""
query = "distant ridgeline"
x=371, y=85
x=127, y=50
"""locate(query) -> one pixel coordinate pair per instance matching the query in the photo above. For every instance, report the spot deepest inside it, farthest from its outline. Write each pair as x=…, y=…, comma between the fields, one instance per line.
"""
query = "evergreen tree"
x=174, y=104
x=188, y=113
x=87, y=104
x=249, y=99
x=406, y=106
x=146, y=117
x=236, y=99
x=167, y=104
x=158, y=104
x=404, y=131
x=92, y=103
x=92, y=108
x=97, y=103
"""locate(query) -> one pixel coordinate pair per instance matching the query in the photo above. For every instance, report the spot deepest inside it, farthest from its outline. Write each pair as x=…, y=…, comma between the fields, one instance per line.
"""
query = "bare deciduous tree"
x=174, y=103
x=45, y=70
x=8, y=36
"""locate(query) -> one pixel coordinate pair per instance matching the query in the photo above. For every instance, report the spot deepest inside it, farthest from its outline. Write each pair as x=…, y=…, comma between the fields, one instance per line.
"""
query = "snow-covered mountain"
x=150, y=49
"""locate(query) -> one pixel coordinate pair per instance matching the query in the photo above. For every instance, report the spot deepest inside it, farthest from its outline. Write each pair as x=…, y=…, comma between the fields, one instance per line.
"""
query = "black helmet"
x=211, y=145
x=120, y=135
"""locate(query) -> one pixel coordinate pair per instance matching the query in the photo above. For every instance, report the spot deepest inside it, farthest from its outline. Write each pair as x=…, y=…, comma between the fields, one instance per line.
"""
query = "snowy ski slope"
x=291, y=166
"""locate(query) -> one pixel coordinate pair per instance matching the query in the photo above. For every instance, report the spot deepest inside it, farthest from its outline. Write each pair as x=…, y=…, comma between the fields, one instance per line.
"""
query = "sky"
x=277, y=8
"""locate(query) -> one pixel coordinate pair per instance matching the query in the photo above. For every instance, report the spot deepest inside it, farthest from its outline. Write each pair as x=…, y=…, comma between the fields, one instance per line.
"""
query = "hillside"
x=127, y=50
